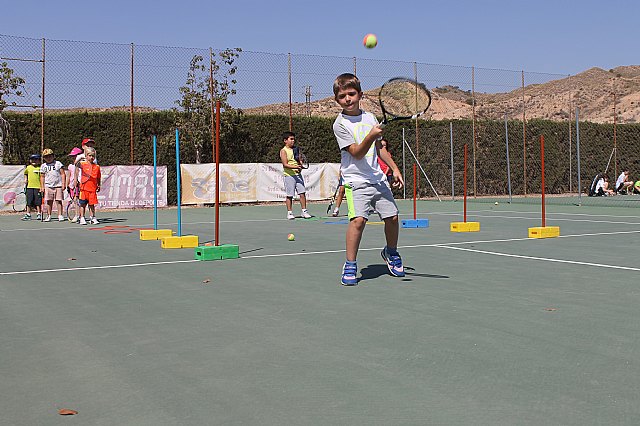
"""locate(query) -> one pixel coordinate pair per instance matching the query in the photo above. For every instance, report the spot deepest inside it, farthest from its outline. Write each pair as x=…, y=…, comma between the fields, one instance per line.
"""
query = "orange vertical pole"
x=217, y=225
x=415, y=191
x=290, y=100
x=542, y=162
x=131, y=152
x=213, y=102
x=42, y=110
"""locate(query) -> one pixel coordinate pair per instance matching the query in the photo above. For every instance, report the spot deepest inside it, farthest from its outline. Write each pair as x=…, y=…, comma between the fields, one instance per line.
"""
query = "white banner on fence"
x=11, y=183
x=250, y=182
x=131, y=187
x=237, y=183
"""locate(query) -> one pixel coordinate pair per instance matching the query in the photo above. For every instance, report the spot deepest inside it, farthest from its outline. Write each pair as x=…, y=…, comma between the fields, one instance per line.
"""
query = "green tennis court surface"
x=488, y=328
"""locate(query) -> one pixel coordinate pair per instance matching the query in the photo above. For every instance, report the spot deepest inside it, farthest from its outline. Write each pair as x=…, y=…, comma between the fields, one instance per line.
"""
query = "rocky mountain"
x=592, y=91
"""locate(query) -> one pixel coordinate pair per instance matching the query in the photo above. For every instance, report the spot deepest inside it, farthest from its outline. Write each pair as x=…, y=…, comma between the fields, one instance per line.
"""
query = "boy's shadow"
x=370, y=272
x=111, y=220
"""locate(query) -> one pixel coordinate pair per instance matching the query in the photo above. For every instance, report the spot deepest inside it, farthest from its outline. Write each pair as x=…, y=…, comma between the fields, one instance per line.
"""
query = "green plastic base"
x=224, y=251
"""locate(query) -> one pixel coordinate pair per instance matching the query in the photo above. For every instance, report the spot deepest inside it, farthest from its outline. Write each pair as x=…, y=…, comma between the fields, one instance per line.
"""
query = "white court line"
x=544, y=259
x=261, y=256
x=87, y=268
x=476, y=213
x=557, y=219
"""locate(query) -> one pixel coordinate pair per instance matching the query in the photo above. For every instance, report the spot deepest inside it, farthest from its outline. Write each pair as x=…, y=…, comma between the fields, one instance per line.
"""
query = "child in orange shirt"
x=89, y=186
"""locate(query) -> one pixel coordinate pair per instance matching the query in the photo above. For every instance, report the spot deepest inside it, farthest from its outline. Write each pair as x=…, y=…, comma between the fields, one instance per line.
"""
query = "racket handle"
x=382, y=125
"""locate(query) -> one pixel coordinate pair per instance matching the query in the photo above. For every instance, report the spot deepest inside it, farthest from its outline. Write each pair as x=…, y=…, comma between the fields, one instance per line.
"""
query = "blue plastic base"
x=415, y=223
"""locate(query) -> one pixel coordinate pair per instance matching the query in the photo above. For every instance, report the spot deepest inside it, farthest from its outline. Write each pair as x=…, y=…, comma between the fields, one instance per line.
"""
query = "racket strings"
x=404, y=98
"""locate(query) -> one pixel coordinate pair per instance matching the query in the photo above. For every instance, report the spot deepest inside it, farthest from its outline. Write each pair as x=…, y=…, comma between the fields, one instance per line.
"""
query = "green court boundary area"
x=487, y=327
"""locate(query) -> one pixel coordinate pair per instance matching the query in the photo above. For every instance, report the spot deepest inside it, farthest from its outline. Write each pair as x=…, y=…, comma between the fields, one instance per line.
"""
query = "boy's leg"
x=92, y=213
x=390, y=252
x=290, y=191
x=340, y=196
x=83, y=210
x=354, y=235
x=391, y=230
x=302, y=192
x=303, y=205
x=60, y=210
x=388, y=211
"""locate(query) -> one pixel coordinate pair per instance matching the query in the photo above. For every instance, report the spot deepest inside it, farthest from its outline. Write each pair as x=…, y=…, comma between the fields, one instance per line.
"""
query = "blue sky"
x=558, y=36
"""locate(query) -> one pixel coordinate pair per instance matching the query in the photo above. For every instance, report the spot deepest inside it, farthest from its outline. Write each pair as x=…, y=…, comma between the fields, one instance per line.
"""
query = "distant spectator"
x=52, y=182
x=602, y=187
x=623, y=184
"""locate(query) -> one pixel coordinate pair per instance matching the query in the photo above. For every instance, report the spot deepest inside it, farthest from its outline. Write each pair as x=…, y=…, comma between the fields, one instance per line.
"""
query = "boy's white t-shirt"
x=350, y=129
x=52, y=178
x=621, y=179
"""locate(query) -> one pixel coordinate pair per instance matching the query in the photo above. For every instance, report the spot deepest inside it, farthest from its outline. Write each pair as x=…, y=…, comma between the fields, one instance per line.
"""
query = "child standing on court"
x=86, y=143
x=73, y=190
x=32, y=187
x=293, y=181
x=89, y=185
x=52, y=182
x=366, y=188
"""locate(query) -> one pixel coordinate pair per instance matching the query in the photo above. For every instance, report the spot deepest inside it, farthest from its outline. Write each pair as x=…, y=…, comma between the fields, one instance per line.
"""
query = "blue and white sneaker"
x=394, y=262
x=349, y=272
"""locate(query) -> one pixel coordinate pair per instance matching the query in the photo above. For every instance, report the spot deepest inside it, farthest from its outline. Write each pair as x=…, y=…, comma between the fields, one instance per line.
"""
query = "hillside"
x=591, y=91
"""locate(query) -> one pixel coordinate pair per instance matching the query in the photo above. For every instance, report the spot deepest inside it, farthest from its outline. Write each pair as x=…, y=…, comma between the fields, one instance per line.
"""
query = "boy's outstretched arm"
x=358, y=151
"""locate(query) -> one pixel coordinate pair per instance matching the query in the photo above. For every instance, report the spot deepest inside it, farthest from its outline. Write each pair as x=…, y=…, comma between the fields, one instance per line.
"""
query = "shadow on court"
x=111, y=220
x=371, y=272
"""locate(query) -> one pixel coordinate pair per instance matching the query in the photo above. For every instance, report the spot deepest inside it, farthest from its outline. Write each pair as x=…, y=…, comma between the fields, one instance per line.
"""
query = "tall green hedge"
x=250, y=139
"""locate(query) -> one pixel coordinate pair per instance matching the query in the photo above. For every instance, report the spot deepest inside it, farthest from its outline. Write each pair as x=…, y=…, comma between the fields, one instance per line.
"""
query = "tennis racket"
x=72, y=206
x=333, y=199
x=20, y=202
x=299, y=156
x=403, y=99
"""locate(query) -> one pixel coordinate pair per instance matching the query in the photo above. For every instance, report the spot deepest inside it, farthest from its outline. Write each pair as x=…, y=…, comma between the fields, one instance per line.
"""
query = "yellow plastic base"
x=154, y=234
x=544, y=232
x=185, y=241
x=465, y=227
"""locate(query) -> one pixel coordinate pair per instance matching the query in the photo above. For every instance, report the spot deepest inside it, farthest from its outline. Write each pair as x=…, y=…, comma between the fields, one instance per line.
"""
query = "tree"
x=194, y=118
x=10, y=84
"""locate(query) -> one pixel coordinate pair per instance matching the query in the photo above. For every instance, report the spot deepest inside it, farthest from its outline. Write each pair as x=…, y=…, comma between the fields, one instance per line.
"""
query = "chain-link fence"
x=487, y=109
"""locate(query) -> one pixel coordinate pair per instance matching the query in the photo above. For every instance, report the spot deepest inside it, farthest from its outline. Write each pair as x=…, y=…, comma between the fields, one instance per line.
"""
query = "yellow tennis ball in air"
x=370, y=41
x=291, y=237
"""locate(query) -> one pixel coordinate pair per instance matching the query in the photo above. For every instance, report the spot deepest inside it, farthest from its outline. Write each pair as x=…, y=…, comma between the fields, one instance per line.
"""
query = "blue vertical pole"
x=155, y=183
x=178, y=183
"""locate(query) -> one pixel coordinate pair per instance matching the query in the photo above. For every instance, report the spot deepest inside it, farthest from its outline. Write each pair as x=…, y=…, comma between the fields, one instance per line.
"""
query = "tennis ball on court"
x=370, y=41
x=291, y=237
x=496, y=203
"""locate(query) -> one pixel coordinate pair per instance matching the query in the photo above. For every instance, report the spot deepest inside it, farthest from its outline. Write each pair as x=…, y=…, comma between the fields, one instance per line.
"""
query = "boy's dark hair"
x=346, y=81
x=287, y=135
